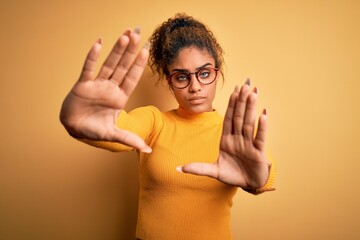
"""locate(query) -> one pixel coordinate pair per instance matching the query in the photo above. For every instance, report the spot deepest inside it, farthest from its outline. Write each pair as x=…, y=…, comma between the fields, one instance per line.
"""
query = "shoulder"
x=150, y=111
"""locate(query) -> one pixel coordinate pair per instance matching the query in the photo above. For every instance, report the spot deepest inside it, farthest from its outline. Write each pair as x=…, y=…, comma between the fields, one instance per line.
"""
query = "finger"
x=127, y=58
x=250, y=116
x=260, y=137
x=135, y=72
x=88, y=70
x=239, y=113
x=228, y=119
x=115, y=55
x=130, y=139
x=133, y=76
x=201, y=169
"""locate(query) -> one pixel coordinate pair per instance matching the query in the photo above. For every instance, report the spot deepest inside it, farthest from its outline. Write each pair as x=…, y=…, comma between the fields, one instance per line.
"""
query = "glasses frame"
x=188, y=74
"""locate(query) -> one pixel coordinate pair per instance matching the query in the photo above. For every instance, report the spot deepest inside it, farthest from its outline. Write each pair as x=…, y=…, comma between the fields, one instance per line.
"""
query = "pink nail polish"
x=255, y=90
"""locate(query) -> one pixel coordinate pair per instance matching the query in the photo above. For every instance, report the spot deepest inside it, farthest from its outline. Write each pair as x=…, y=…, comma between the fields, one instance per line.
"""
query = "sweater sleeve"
x=144, y=122
x=269, y=186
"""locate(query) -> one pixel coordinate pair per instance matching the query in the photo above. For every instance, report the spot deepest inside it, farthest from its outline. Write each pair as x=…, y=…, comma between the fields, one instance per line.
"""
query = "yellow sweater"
x=174, y=205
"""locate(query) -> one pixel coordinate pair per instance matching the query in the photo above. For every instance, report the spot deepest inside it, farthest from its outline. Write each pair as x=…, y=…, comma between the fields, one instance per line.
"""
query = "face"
x=197, y=97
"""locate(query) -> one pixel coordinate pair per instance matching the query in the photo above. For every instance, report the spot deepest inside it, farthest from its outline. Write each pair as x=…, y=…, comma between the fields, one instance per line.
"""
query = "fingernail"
x=255, y=90
x=127, y=32
x=137, y=30
x=147, y=149
x=179, y=169
x=264, y=112
x=236, y=88
x=99, y=41
x=147, y=45
x=247, y=82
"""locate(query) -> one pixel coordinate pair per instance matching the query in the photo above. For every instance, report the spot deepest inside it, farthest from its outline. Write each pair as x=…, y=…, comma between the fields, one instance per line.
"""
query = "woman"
x=226, y=153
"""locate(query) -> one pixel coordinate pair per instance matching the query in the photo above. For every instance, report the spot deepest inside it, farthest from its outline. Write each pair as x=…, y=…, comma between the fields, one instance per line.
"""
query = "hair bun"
x=180, y=22
x=177, y=33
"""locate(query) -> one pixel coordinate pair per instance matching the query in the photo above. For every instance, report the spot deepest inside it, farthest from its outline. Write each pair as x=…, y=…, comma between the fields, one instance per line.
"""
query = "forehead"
x=190, y=58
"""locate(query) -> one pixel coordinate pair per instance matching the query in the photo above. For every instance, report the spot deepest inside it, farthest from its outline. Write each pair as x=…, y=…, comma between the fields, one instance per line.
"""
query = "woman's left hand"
x=242, y=159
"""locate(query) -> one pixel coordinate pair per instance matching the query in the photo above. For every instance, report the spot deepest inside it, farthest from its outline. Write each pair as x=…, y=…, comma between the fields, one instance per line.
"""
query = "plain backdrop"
x=303, y=56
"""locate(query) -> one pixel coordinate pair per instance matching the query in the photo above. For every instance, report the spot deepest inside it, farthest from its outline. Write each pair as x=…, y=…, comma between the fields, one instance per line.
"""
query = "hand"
x=93, y=104
x=242, y=160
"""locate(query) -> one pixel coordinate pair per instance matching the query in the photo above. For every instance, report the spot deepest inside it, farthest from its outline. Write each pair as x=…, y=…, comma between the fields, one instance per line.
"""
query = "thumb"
x=201, y=169
x=130, y=139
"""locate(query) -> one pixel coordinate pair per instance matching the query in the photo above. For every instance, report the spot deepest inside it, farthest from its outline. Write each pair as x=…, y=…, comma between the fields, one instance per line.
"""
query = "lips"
x=197, y=99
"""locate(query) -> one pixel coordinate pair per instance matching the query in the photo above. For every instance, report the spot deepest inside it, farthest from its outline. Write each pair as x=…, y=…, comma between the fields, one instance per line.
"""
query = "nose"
x=195, y=85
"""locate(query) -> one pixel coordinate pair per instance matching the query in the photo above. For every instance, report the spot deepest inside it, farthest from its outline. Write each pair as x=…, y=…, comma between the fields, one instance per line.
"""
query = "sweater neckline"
x=205, y=117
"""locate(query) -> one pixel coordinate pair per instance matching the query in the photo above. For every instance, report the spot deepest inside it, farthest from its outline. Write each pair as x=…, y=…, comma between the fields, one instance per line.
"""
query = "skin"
x=195, y=98
x=93, y=104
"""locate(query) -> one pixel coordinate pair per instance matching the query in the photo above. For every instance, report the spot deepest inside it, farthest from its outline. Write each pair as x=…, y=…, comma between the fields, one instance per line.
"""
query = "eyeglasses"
x=182, y=79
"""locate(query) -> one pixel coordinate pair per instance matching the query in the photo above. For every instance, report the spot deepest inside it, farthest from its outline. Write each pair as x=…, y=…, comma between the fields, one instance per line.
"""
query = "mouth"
x=197, y=100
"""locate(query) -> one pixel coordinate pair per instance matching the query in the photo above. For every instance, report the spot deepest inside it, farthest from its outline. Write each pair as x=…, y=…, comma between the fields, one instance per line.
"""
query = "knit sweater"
x=175, y=205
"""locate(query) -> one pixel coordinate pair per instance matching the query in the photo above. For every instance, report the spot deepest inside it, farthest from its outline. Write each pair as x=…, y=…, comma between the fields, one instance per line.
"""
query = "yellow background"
x=304, y=56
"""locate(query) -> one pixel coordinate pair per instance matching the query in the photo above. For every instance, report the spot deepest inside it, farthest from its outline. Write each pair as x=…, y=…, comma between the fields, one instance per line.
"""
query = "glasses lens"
x=180, y=80
x=206, y=75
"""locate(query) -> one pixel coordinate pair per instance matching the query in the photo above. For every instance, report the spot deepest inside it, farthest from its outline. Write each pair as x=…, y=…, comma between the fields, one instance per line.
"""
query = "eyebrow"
x=186, y=70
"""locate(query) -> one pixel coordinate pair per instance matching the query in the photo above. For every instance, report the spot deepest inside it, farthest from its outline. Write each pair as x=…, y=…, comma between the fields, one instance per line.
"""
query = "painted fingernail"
x=247, y=82
x=137, y=30
x=99, y=41
x=264, y=112
x=147, y=45
x=255, y=90
x=127, y=32
x=179, y=169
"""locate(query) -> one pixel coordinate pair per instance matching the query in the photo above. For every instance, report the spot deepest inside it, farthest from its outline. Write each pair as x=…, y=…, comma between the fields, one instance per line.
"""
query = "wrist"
x=267, y=185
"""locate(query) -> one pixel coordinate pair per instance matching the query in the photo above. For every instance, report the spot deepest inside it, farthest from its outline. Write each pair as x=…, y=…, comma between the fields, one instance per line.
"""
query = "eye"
x=204, y=73
x=180, y=77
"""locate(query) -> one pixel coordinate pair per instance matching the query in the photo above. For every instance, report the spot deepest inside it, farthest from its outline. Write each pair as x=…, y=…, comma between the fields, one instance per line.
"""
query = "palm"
x=242, y=160
x=92, y=106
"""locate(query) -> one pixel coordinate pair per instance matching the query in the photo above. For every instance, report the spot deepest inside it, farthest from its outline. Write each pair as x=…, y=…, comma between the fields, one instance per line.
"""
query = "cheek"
x=212, y=90
x=179, y=95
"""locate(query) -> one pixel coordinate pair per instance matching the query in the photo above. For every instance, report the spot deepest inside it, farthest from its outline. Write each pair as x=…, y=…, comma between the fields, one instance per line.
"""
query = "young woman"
x=219, y=154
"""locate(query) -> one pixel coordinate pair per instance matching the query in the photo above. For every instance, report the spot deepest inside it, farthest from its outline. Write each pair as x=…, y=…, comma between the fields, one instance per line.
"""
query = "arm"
x=92, y=106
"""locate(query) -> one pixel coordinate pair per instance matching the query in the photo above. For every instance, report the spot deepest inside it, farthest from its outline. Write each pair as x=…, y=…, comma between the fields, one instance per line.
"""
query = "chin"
x=197, y=109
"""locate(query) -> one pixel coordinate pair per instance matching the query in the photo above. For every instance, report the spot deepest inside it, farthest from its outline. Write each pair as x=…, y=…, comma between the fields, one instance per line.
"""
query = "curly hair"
x=177, y=33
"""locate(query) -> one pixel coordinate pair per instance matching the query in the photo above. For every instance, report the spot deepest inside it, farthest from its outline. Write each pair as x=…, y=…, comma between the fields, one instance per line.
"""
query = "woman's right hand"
x=92, y=106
